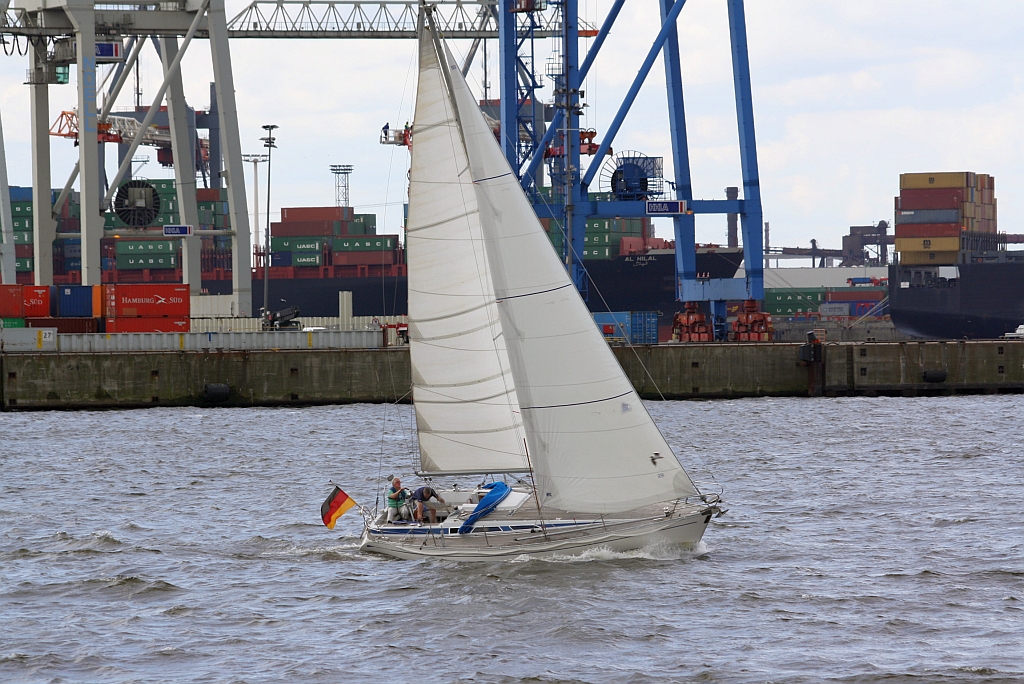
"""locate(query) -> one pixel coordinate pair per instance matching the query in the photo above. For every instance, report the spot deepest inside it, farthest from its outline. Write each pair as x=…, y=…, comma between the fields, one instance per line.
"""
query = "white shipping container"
x=28, y=339
x=834, y=309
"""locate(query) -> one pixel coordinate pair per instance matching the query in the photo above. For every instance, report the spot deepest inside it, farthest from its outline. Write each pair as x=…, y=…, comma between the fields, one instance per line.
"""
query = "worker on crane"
x=384, y=133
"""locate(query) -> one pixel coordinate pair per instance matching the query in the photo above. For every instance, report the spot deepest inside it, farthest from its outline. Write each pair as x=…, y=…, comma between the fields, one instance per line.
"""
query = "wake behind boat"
x=512, y=380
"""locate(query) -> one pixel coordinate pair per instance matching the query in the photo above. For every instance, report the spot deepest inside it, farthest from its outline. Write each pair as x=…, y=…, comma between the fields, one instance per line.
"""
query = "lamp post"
x=268, y=142
x=256, y=160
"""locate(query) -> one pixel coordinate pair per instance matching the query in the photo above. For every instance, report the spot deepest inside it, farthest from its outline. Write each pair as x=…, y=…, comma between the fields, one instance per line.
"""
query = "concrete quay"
x=100, y=380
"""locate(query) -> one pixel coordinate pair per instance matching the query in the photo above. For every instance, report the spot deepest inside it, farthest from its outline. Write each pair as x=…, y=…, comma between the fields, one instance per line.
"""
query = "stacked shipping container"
x=96, y=308
x=824, y=301
x=310, y=237
x=940, y=215
x=603, y=237
x=321, y=238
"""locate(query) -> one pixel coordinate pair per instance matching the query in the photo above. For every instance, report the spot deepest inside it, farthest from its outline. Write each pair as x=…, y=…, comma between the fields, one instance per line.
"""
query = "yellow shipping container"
x=968, y=210
x=928, y=258
x=936, y=244
x=958, y=179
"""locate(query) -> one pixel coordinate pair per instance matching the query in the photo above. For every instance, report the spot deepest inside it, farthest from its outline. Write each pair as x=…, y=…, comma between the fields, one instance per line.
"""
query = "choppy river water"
x=866, y=540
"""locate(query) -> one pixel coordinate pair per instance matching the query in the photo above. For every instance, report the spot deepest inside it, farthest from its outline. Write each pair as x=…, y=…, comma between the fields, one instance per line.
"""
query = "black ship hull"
x=627, y=283
x=985, y=301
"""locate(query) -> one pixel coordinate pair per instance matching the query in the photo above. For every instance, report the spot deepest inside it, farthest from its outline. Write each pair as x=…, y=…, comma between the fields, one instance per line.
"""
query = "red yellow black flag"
x=335, y=506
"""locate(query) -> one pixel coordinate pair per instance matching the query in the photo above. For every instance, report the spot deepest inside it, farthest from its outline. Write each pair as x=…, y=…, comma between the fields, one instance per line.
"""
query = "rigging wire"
x=388, y=355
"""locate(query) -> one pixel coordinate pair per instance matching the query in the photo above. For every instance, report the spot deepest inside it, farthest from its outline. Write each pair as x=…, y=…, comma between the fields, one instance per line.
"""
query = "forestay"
x=467, y=414
x=593, y=446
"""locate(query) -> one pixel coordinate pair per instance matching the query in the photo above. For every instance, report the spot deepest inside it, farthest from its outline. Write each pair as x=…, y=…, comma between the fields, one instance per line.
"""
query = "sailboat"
x=512, y=380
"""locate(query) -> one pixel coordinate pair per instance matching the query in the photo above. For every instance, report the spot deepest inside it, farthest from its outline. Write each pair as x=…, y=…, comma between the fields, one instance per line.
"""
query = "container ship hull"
x=985, y=301
x=626, y=283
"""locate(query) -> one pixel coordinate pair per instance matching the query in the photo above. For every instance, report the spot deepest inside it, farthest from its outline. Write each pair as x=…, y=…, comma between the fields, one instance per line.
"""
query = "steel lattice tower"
x=341, y=173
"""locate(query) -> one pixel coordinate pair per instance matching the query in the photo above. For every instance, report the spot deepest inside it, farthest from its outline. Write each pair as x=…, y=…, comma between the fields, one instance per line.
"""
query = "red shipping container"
x=928, y=230
x=304, y=229
x=133, y=301
x=11, y=303
x=856, y=294
x=147, y=324
x=291, y=214
x=931, y=198
x=208, y=195
x=363, y=258
x=24, y=251
x=65, y=325
x=37, y=300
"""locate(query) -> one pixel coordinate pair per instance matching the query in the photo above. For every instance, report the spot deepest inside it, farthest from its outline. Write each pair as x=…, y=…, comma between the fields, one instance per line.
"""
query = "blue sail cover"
x=499, y=491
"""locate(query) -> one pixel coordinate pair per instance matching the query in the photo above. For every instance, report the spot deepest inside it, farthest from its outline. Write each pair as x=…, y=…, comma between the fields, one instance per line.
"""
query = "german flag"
x=335, y=506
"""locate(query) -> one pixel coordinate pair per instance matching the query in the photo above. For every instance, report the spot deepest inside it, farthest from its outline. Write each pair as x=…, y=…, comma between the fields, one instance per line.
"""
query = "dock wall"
x=329, y=376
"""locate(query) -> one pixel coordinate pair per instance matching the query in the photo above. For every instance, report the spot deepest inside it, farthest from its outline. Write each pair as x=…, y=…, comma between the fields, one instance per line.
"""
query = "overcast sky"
x=847, y=95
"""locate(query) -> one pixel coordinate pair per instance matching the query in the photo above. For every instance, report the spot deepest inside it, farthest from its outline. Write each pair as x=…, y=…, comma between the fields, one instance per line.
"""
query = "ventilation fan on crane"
x=632, y=176
x=137, y=203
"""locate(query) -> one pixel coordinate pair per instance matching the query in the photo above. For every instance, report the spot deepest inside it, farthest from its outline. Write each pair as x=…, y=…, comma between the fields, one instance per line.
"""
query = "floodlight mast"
x=341, y=184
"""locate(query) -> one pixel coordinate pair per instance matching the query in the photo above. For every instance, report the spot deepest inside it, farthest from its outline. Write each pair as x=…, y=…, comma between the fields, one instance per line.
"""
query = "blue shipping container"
x=280, y=258
x=108, y=263
x=72, y=251
x=928, y=216
x=72, y=264
x=865, y=308
x=74, y=301
x=20, y=194
x=638, y=327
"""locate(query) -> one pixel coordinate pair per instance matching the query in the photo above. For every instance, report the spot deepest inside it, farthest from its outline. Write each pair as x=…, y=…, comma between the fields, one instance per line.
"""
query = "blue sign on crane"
x=666, y=207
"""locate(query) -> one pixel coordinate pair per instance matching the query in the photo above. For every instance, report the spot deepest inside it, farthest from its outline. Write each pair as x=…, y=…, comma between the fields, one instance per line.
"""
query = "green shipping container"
x=600, y=252
x=795, y=296
x=593, y=239
x=13, y=322
x=163, y=186
x=147, y=247
x=783, y=310
x=19, y=209
x=368, y=221
x=23, y=237
x=217, y=208
x=23, y=223
x=631, y=226
x=599, y=225
x=128, y=262
x=367, y=244
x=306, y=258
x=23, y=265
x=166, y=219
x=297, y=244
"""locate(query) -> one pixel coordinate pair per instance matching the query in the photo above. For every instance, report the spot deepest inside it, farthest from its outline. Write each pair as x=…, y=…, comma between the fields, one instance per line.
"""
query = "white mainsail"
x=593, y=446
x=467, y=414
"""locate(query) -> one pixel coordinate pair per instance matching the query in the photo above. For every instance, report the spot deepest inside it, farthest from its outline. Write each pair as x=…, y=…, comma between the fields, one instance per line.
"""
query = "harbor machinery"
x=68, y=34
x=526, y=139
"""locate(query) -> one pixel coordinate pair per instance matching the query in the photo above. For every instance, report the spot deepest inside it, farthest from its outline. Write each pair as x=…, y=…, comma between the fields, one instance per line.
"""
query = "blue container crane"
x=571, y=185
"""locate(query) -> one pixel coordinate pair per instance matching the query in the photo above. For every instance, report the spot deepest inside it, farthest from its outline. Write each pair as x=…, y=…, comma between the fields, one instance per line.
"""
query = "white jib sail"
x=467, y=414
x=593, y=446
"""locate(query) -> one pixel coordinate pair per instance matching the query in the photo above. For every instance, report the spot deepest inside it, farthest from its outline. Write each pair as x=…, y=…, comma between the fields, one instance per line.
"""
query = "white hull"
x=684, y=528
